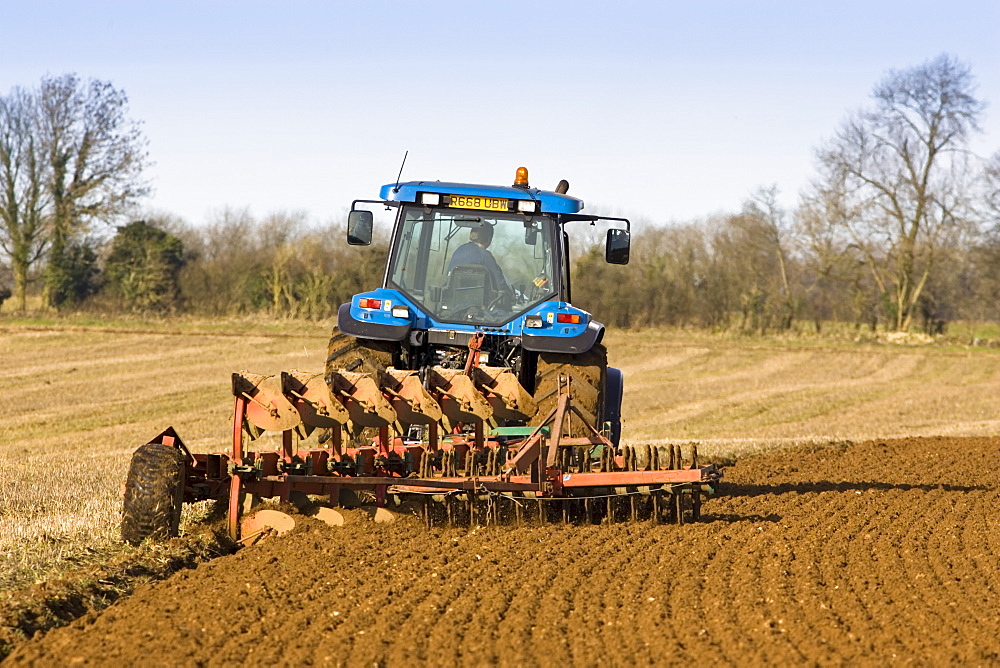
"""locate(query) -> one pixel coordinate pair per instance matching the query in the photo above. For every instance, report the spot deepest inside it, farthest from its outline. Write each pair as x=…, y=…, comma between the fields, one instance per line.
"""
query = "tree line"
x=900, y=228
x=70, y=158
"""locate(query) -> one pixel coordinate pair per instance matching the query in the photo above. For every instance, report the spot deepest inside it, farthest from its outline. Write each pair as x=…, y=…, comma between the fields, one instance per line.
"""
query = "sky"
x=660, y=111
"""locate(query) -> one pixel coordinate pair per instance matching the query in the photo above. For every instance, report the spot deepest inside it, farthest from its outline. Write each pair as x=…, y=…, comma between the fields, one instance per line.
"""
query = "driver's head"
x=482, y=235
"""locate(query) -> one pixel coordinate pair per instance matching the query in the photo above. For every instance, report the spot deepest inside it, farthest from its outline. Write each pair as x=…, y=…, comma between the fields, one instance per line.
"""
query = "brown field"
x=878, y=553
x=806, y=539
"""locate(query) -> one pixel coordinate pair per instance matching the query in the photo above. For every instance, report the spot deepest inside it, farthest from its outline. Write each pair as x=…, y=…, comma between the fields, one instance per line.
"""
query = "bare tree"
x=95, y=156
x=899, y=176
x=991, y=180
x=22, y=194
x=769, y=232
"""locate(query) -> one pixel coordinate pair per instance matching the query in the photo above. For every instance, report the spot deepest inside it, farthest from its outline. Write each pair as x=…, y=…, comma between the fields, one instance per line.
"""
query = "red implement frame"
x=525, y=468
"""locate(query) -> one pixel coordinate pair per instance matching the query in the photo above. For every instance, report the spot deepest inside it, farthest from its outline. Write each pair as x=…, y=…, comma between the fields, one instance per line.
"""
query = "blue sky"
x=664, y=111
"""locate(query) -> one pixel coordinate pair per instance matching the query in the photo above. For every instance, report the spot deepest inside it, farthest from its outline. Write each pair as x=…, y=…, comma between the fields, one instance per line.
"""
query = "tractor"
x=466, y=389
x=443, y=290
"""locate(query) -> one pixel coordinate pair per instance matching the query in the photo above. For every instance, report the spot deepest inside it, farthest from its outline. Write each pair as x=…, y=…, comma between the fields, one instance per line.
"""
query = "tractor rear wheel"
x=359, y=355
x=154, y=493
x=587, y=373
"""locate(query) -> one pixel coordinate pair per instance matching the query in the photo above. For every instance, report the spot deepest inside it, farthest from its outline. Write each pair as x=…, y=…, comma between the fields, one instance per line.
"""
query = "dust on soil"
x=860, y=555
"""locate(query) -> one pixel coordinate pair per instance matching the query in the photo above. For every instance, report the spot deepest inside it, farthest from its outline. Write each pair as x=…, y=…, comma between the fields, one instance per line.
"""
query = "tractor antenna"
x=396, y=189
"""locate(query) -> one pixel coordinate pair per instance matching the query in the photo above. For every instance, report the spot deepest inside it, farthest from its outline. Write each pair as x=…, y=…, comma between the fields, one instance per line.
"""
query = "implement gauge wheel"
x=587, y=372
x=154, y=492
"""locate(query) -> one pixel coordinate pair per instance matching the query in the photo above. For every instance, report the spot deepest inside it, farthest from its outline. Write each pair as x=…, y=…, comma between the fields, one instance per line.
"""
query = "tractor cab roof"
x=549, y=201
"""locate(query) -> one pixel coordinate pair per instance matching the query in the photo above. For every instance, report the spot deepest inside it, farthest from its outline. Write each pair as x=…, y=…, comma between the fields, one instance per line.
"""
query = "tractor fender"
x=369, y=330
x=573, y=345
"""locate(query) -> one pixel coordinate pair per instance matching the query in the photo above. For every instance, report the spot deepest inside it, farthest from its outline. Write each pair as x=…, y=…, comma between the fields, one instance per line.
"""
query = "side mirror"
x=617, y=247
x=359, y=227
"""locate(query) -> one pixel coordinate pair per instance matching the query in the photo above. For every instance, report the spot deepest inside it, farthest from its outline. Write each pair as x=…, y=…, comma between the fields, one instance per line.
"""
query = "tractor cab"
x=474, y=267
x=476, y=258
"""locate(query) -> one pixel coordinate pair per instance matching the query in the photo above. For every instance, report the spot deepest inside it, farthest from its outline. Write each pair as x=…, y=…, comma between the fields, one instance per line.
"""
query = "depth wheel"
x=586, y=371
x=154, y=493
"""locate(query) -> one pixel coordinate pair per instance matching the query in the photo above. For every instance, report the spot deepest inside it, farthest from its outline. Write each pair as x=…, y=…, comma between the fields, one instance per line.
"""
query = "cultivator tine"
x=363, y=399
x=411, y=401
x=490, y=461
x=267, y=408
x=427, y=511
x=507, y=397
x=459, y=399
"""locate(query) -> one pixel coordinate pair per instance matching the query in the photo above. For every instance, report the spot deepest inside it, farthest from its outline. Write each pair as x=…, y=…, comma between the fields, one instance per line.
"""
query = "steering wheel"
x=503, y=301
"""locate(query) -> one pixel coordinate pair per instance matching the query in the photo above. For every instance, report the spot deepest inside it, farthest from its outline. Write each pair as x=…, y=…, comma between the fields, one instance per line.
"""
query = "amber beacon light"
x=521, y=177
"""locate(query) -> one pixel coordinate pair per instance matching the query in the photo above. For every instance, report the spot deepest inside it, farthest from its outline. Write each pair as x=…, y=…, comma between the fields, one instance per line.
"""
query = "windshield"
x=474, y=267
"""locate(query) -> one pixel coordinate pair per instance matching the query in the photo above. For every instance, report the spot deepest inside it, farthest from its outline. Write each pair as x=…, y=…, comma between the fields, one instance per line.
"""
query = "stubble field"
x=833, y=544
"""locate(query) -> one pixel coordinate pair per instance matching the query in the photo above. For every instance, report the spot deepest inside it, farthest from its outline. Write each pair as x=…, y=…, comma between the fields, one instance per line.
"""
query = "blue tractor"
x=473, y=327
x=484, y=272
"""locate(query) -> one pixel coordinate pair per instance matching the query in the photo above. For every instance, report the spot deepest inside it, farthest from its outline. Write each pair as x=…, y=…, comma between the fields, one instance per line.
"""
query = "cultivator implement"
x=438, y=452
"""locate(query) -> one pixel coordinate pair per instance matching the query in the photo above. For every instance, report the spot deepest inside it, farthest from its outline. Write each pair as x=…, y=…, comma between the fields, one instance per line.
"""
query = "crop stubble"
x=853, y=554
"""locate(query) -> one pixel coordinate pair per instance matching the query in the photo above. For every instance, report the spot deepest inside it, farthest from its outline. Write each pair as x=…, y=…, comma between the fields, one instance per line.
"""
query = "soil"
x=855, y=554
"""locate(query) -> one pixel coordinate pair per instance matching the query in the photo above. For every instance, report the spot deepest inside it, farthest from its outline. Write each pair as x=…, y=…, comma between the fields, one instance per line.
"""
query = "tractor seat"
x=468, y=285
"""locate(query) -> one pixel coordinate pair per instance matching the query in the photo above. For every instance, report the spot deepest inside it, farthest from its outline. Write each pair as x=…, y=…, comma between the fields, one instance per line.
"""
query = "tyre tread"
x=587, y=372
x=154, y=494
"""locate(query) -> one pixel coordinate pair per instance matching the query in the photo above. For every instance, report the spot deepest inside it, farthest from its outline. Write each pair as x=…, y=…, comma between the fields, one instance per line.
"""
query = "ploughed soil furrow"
x=856, y=554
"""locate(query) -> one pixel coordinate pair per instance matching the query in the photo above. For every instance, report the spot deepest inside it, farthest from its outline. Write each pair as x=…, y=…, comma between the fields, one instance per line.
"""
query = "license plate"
x=475, y=202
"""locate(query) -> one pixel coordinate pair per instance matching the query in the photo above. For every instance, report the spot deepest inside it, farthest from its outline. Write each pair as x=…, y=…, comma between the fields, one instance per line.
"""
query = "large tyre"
x=154, y=492
x=360, y=356
x=587, y=373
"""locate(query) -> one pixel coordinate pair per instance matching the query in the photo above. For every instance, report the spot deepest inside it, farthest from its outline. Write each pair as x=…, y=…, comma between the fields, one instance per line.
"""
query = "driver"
x=475, y=252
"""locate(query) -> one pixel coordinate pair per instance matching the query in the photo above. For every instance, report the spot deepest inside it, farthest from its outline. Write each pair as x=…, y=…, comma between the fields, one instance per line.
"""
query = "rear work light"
x=430, y=199
x=400, y=312
x=533, y=321
x=573, y=318
x=527, y=206
x=369, y=303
